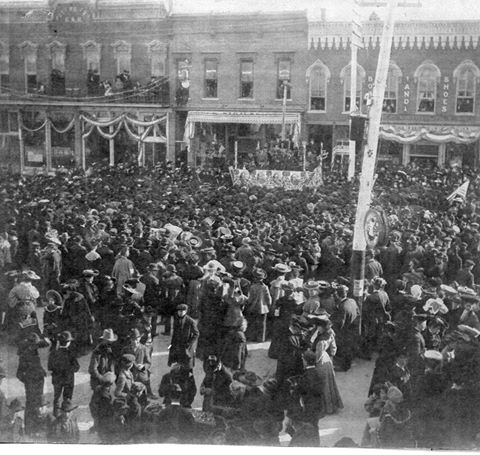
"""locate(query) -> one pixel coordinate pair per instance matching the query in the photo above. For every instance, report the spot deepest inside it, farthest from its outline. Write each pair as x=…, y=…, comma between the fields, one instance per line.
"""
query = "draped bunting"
x=409, y=134
x=34, y=130
x=124, y=120
x=67, y=128
x=49, y=121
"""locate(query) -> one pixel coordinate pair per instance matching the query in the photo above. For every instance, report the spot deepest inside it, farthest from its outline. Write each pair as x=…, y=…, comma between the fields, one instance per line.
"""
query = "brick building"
x=431, y=108
x=184, y=82
x=235, y=66
x=54, y=58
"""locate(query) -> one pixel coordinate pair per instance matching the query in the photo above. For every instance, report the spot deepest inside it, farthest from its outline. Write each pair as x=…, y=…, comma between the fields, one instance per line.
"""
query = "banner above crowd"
x=288, y=180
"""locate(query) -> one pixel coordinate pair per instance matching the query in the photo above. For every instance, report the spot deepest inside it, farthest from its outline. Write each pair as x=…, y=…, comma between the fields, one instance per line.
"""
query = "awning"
x=409, y=134
x=255, y=118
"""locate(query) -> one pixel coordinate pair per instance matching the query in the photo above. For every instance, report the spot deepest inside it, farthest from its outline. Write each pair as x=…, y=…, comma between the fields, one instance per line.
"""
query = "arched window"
x=465, y=76
x=318, y=76
x=390, y=100
x=345, y=78
x=427, y=77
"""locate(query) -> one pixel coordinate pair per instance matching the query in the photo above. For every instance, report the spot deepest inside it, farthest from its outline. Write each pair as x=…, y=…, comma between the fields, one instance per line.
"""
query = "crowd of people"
x=111, y=255
x=274, y=155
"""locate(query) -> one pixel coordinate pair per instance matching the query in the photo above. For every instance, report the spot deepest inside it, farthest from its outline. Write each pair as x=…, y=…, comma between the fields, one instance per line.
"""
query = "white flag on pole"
x=460, y=192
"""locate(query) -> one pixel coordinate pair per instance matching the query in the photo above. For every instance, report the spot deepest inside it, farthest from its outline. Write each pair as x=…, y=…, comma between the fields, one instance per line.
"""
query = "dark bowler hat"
x=181, y=307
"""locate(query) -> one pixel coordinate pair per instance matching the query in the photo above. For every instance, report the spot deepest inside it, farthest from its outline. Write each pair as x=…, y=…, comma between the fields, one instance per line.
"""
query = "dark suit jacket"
x=184, y=337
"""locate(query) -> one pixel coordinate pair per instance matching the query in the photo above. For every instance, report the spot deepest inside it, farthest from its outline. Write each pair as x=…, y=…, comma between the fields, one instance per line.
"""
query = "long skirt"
x=193, y=297
x=332, y=401
x=257, y=327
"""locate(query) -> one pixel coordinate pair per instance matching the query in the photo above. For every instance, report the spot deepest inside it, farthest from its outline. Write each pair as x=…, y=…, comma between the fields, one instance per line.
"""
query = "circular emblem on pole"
x=375, y=228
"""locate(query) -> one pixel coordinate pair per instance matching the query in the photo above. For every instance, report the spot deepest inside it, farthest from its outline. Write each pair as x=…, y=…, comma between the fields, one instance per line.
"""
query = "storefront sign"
x=445, y=92
x=406, y=95
x=34, y=155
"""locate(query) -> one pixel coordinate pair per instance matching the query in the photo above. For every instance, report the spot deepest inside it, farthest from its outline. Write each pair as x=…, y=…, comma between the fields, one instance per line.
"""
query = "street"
x=353, y=386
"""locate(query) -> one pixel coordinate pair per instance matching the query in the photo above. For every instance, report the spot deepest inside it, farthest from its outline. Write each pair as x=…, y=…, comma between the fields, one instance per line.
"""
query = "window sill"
x=281, y=99
x=468, y=114
x=311, y=111
x=245, y=99
x=425, y=113
x=210, y=99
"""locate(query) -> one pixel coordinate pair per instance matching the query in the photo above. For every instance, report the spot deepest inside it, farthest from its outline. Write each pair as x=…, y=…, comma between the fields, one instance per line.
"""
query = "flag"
x=460, y=192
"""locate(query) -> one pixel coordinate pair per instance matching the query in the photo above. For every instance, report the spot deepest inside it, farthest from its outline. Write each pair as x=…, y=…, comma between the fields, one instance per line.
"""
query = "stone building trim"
x=407, y=35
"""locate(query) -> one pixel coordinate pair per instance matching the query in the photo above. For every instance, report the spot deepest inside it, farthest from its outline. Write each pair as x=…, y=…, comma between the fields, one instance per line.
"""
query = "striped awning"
x=262, y=118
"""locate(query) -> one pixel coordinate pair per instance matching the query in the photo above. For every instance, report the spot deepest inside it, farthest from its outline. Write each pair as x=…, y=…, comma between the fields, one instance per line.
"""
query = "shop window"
x=345, y=75
x=466, y=76
x=284, y=73
x=246, y=79
x=427, y=76
x=211, y=84
x=4, y=70
x=391, y=89
x=318, y=76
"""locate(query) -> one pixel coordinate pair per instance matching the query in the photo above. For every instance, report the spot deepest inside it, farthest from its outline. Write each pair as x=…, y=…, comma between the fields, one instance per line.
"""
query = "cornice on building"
x=407, y=35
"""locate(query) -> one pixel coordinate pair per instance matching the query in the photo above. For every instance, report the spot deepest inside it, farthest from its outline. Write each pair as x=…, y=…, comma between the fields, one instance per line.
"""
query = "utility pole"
x=355, y=43
x=370, y=152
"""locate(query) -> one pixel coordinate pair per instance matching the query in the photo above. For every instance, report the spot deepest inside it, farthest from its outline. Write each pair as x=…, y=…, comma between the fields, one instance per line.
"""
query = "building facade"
x=431, y=110
x=88, y=80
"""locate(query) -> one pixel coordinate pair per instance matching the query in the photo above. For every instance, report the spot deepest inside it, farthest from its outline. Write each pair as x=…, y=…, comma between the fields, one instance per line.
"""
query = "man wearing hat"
x=465, y=276
x=89, y=290
x=246, y=254
x=32, y=374
x=183, y=376
x=51, y=265
x=101, y=406
x=143, y=360
x=346, y=319
x=258, y=305
x=103, y=359
x=151, y=296
x=184, y=338
x=77, y=317
x=123, y=269
x=64, y=428
x=63, y=364
x=125, y=376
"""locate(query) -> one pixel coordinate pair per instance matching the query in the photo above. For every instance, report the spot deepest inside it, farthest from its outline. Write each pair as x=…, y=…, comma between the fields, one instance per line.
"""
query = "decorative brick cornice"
x=407, y=35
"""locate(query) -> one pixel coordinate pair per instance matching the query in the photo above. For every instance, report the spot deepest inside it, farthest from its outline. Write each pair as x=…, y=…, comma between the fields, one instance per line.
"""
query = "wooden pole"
x=370, y=155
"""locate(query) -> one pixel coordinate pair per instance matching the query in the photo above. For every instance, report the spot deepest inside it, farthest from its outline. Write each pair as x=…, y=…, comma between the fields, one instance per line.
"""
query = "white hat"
x=435, y=306
x=431, y=354
x=92, y=256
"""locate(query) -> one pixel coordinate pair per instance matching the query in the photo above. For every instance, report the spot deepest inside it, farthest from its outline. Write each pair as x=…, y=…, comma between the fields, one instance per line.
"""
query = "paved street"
x=353, y=387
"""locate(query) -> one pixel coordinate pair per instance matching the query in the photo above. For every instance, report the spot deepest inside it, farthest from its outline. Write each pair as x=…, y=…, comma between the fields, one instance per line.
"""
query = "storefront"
x=230, y=132
x=432, y=145
x=37, y=139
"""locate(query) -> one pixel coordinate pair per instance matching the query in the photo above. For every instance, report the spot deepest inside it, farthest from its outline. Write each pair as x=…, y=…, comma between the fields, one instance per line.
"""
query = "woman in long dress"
x=324, y=346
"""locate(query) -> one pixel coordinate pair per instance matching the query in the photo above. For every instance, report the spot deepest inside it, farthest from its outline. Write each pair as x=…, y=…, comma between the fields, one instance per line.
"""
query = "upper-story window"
x=29, y=54
x=390, y=100
x=246, y=78
x=427, y=76
x=157, y=52
x=465, y=76
x=318, y=76
x=345, y=75
x=57, y=75
x=122, y=52
x=284, y=75
x=211, y=78
x=4, y=67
